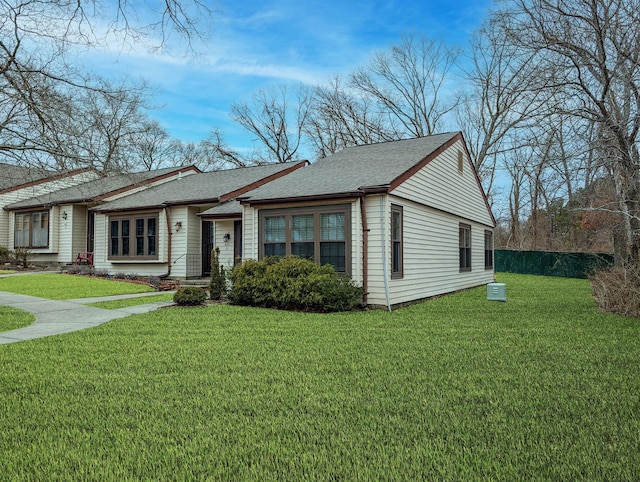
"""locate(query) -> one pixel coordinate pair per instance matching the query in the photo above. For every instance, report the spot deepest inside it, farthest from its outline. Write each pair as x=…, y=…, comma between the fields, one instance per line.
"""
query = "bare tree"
x=341, y=118
x=589, y=52
x=277, y=117
x=152, y=147
x=41, y=85
x=503, y=98
x=412, y=84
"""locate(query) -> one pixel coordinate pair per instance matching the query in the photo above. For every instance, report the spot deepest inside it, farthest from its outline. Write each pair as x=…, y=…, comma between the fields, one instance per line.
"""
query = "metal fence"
x=550, y=263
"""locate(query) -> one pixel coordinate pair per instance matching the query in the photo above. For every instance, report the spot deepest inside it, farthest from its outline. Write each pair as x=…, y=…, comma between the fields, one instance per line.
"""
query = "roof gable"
x=356, y=170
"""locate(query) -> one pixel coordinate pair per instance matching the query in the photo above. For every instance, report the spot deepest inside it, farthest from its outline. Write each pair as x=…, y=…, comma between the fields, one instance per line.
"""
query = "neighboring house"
x=57, y=225
x=159, y=231
x=18, y=183
x=407, y=219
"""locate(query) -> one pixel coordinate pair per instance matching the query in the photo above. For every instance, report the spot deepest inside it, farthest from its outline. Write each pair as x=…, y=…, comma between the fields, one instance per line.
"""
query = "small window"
x=460, y=162
x=465, y=247
x=274, y=236
x=31, y=230
x=397, y=264
x=302, y=236
x=488, y=250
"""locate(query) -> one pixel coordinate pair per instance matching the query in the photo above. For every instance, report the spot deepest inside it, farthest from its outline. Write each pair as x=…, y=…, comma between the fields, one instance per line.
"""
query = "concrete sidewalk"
x=56, y=317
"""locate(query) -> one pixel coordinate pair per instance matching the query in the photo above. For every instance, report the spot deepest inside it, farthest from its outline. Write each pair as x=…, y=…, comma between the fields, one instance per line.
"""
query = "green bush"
x=190, y=296
x=218, y=284
x=292, y=283
x=5, y=254
x=22, y=256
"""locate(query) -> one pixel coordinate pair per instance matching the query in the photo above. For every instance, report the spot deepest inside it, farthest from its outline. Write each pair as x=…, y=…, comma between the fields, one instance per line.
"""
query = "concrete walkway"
x=56, y=317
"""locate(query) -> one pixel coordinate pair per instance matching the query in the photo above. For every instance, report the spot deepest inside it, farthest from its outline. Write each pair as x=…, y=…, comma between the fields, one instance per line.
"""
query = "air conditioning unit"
x=496, y=292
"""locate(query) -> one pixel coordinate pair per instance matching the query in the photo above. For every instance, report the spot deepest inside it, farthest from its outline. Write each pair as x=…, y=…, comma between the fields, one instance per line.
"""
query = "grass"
x=117, y=304
x=541, y=387
x=6, y=271
x=56, y=286
x=13, y=318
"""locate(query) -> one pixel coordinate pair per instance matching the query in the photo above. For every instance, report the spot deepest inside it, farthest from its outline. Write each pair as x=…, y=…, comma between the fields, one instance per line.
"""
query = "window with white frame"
x=31, y=230
x=318, y=233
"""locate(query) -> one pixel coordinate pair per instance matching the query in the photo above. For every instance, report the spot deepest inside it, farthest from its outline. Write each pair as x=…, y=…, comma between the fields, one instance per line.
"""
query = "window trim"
x=30, y=215
x=464, y=261
x=132, y=256
x=316, y=211
x=399, y=273
x=488, y=250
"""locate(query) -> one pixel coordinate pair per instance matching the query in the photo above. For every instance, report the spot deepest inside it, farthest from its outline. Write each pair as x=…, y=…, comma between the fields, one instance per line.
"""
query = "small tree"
x=218, y=284
x=22, y=256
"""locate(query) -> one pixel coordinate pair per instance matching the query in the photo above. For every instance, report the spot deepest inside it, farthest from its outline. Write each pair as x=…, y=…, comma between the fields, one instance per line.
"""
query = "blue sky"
x=255, y=44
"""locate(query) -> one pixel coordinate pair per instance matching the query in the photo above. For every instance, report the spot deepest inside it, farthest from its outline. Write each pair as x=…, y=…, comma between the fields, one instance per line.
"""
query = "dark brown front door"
x=207, y=246
x=237, y=242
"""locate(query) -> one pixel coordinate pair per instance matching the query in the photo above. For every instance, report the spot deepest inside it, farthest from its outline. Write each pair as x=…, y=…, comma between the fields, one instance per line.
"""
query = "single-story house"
x=56, y=224
x=407, y=219
x=20, y=182
x=158, y=231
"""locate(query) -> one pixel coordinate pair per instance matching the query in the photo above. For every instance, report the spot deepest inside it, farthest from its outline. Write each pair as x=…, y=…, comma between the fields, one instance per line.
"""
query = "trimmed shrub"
x=218, y=284
x=617, y=290
x=190, y=296
x=292, y=283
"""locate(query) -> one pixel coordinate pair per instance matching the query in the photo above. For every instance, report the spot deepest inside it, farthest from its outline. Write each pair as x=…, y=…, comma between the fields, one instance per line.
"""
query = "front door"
x=207, y=246
x=237, y=242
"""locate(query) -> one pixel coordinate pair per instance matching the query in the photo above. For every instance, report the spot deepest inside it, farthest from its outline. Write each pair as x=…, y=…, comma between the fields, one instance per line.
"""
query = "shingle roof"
x=353, y=169
x=14, y=176
x=93, y=190
x=204, y=187
x=229, y=208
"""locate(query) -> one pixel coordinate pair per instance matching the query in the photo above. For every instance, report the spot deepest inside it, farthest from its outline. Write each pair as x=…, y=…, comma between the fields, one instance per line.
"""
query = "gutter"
x=365, y=251
x=169, y=234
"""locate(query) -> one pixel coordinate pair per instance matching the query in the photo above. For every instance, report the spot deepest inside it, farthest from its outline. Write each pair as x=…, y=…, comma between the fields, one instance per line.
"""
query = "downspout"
x=169, y=234
x=385, y=268
x=365, y=251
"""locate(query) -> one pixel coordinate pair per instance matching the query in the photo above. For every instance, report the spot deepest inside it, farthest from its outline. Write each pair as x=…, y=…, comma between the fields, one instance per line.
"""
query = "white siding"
x=79, y=237
x=180, y=239
x=10, y=197
x=226, y=248
x=249, y=233
x=141, y=268
x=431, y=255
x=376, y=287
x=440, y=185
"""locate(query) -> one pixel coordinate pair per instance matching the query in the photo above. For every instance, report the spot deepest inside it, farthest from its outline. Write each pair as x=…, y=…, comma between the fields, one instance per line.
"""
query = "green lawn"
x=542, y=387
x=124, y=303
x=55, y=286
x=13, y=318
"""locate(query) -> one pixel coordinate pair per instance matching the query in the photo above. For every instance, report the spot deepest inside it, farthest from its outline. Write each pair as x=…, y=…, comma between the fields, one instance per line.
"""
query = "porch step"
x=201, y=282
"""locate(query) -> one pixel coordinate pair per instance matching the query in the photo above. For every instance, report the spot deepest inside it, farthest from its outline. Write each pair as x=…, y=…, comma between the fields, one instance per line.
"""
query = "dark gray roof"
x=91, y=191
x=198, y=188
x=225, y=209
x=14, y=176
x=352, y=169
